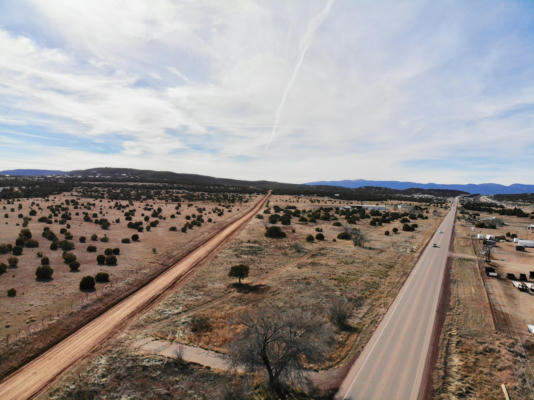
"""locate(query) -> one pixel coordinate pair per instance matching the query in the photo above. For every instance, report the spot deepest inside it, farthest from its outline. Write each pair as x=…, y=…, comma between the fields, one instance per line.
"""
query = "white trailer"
x=526, y=243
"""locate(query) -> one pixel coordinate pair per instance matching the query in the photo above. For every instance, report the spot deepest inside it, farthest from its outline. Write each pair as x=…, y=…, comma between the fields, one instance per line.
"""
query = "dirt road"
x=36, y=375
x=392, y=365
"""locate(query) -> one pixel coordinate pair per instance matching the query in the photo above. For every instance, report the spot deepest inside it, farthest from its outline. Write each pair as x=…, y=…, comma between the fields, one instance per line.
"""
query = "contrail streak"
x=314, y=24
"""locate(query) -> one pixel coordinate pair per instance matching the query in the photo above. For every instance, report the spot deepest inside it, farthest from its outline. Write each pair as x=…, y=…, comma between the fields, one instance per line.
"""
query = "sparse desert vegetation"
x=48, y=244
x=348, y=284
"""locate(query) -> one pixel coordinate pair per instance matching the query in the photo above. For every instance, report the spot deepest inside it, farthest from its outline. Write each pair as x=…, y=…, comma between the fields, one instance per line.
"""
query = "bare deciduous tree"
x=279, y=342
x=357, y=236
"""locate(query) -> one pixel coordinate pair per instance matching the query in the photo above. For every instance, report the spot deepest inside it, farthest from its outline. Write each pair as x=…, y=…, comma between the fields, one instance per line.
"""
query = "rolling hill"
x=483, y=188
x=207, y=183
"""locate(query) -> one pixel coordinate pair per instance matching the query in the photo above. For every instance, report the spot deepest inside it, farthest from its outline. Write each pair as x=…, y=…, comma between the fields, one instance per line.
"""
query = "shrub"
x=135, y=237
x=45, y=261
x=285, y=219
x=340, y=312
x=3, y=268
x=275, y=232
x=100, y=259
x=395, y=230
x=310, y=238
x=273, y=218
x=319, y=236
x=102, y=277
x=116, y=251
x=12, y=262
x=91, y=249
x=82, y=239
x=69, y=257
x=17, y=251
x=173, y=229
x=12, y=292
x=337, y=224
x=53, y=246
x=5, y=248
x=65, y=245
x=111, y=260
x=94, y=237
x=108, y=252
x=259, y=216
x=125, y=240
x=74, y=266
x=407, y=228
x=25, y=234
x=87, y=284
x=104, y=239
x=32, y=243
x=343, y=236
x=199, y=324
x=44, y=273
x=386, y=233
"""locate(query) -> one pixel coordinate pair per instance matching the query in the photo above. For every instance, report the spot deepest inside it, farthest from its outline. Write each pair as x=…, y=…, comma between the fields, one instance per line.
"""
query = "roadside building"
x=376, y=207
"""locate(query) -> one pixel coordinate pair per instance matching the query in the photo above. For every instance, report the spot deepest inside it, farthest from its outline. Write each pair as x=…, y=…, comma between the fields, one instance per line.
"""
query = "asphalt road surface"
x=392, y=364
x=36, y=375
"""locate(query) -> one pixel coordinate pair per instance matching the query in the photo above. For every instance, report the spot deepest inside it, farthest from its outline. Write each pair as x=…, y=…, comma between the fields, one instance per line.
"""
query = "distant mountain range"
x=31, y=172
x=483, y=188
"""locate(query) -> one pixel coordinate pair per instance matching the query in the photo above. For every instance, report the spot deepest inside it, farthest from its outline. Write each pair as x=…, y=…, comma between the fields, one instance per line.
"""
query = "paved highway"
x=36, y=375
x=393, y=362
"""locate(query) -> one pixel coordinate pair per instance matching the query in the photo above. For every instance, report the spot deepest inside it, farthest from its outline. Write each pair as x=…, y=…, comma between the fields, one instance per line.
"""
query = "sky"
x=294, y=91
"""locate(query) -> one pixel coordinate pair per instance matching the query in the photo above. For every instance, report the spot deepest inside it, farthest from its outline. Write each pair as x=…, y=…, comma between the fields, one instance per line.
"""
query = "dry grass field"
x=290, y=272
x=51, y=307
x=476, y=356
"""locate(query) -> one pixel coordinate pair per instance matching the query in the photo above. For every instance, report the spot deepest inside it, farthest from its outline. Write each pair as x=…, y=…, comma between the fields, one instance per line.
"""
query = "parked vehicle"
x=489, y=270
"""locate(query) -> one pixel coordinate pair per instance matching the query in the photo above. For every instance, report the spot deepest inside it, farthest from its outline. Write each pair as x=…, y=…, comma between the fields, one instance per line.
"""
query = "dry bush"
x=340, y=312
x=199, y=324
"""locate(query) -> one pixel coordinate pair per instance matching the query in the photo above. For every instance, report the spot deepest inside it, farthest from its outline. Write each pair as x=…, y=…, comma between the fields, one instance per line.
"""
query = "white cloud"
x=193, y=85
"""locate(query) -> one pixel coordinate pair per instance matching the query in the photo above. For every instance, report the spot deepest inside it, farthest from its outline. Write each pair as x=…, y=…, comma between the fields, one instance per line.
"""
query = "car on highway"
x=434, y=245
